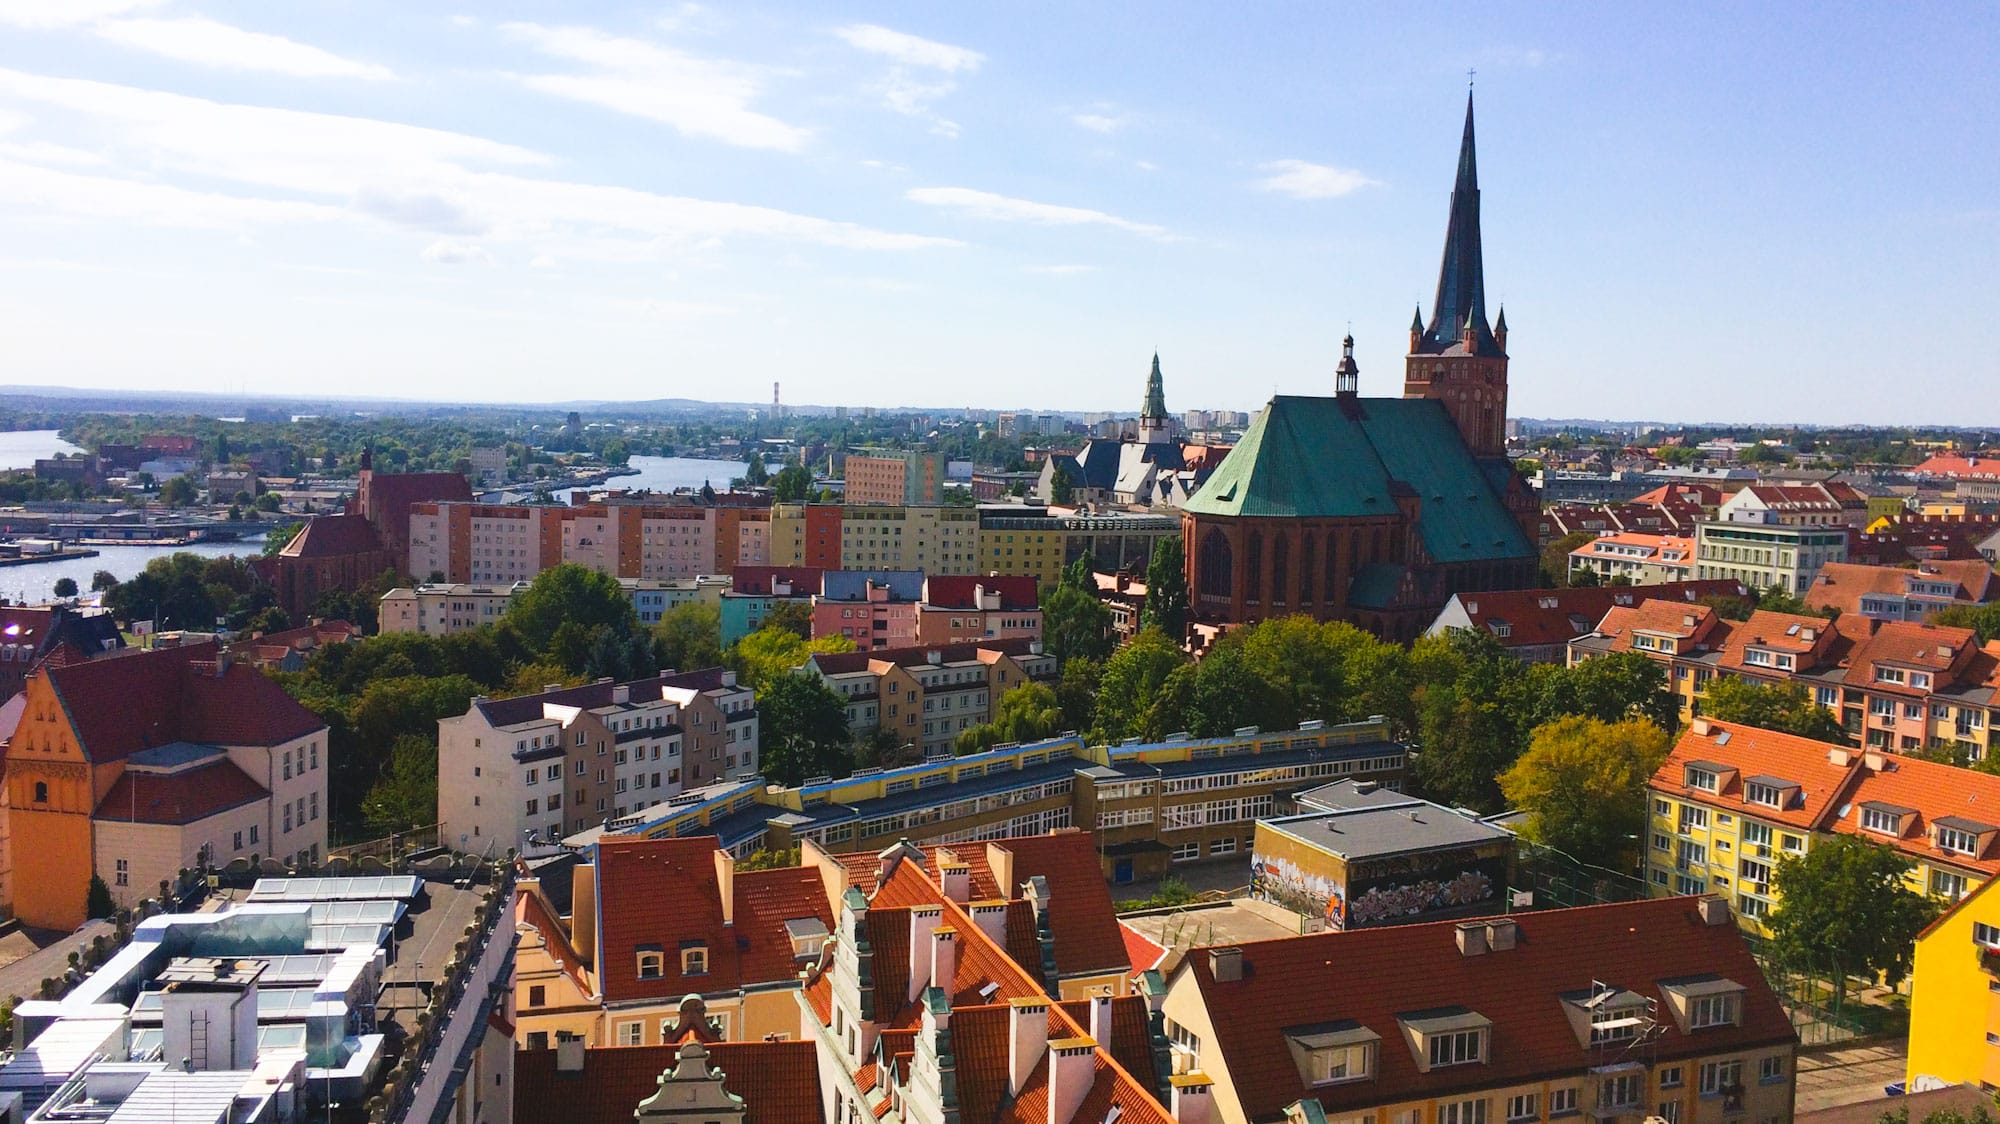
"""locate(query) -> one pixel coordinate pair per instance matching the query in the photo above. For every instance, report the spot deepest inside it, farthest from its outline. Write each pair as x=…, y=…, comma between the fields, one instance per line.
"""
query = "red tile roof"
x=1752, y=752
x=532, y=912
x=758, y=579
x=1694, y=625
x=1841, y=585
x=1140, y=948
x=178, y=798
x=840, y=663
x=137, y=700
x=333, y=536
x=1538, y=617
x=1958, y=467
x=1812, y=641
x=1376, y=976
x=778, y=1081
x=958, y=591
x=1943, y=651
x=1933, y=790
x=662, y=895
x=1081, y=917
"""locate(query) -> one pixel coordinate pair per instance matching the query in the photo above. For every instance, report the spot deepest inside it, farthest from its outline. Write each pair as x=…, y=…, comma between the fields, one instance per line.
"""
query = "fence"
x=390, y=847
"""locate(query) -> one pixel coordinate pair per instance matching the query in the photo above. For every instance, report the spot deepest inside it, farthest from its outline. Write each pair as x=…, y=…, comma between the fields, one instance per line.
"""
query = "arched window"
x=1253, y=565
x=1216, y=564
x=1306, y=574
x=1281, y=568
x=1334, y=593
x=41, y=792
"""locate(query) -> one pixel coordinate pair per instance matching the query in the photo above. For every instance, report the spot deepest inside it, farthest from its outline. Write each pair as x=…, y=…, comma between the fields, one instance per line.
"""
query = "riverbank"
x=56, y=556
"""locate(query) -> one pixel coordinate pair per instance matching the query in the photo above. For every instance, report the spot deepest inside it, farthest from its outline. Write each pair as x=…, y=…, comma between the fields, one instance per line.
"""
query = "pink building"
x=969, y=608
x=873, y=608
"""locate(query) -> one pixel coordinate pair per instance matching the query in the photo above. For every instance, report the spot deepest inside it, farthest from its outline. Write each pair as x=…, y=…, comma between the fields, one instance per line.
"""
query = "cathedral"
x=1377, y=510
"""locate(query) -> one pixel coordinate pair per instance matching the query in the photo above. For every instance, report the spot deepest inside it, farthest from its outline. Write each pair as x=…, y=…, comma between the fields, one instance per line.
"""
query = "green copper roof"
x=1311, y=457
x=1156, y=395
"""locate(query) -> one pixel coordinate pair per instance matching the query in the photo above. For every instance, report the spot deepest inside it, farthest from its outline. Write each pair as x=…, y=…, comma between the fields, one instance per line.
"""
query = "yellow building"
x=1955, y=995
x=1031, y=546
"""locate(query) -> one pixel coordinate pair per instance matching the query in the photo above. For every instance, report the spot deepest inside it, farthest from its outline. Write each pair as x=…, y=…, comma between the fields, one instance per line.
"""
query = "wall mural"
x=1387, y=891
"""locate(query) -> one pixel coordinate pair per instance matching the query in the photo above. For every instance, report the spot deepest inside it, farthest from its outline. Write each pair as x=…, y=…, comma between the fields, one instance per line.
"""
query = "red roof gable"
x=1536, y=617
x=1841, y=585
x=1018, y=593
x=1934, y=790
x=1375, y=977
x=757, y=579
x=1748, y=751
x=333, y=536
x=778, y=1081
x=137, y=700
x=178, y=798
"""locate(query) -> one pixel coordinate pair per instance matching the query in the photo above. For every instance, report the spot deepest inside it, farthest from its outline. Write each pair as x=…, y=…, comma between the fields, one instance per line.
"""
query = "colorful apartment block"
x=928, y=695
x=437, y=609
x=895, y=476
x=1732, y=801
x=1638, y=1010
x=1955, y=996
x=1638, y=558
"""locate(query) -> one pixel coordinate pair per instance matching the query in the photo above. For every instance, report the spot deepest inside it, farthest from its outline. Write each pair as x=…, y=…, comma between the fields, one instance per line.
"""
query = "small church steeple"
x=1347, y=376
x=1153, y=426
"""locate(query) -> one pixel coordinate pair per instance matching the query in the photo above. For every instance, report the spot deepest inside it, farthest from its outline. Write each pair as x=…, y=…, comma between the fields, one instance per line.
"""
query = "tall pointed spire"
x=1461, y=291
x=1156, y=394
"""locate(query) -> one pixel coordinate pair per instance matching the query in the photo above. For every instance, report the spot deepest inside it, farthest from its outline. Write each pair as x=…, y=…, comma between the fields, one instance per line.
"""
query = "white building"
x=437, y=609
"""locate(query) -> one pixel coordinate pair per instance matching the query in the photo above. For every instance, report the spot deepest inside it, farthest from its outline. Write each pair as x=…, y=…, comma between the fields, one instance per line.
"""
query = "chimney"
x=1874, y=762
x=1193, y=1100
x=729, y=679
x=991, y=917
x=1028, y=1039
x=1225, y=964
x=1687, y=620
x=725, y=884
x=569, y=1055
x=583, y=911
x=1500, y=934
x=956, y=877
x=1702, y=727
x=1472, y=938
x=923, y=918
x=1714, y=910
x=621, y=694
x=1840, y=756
x=1072, y=1071
x=934, y=657
x=1100, y=1017
x=944, y=957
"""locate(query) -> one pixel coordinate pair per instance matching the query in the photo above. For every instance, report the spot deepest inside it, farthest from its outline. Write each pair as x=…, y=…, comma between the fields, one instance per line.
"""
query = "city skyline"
x=907, y=208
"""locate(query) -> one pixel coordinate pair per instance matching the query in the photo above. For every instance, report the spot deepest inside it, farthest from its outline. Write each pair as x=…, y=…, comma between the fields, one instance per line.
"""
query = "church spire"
x=1461, y=291
x=1156, y=394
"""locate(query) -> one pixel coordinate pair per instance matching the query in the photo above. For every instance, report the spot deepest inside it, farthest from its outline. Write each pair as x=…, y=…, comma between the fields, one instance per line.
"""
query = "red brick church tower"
x=1461, y=360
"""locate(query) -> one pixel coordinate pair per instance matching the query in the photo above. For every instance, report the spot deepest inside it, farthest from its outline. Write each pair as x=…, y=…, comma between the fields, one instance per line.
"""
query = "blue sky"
x=1776, y=212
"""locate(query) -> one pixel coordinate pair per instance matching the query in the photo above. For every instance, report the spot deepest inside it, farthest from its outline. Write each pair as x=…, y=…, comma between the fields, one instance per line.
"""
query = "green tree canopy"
x=801, y=730
x=792, y=616
x=1555, y=560
x=1062, y=489
x=407, y=795
x=570, y=594
x=1131, y=683
x=792, y=484
x=1981, y=619
x=1582, y=783
x=65, y=587
x=1844, y=907
x=1075, y=624
x=1027, y=713
x=755, y=473
x=1166, y=605
x=1786, y=707
x=689, y=636
x=769, y=653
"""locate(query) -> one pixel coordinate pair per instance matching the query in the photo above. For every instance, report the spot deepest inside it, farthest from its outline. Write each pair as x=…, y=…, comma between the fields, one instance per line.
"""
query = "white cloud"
x=295, y=165
x=986, y=205
x=1097, y=122
x=1066, y=270
x=1303, y=180
x=697, y=97
x=66, y=13
x=208, y=43
x=910, y=50
x=1146, y=165
x=444, y=251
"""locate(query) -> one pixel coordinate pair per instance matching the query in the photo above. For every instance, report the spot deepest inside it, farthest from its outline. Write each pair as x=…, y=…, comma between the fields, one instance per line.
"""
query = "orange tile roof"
x=1082, y=919
x=1842, y=585
x=1958, y=467
x=1965, y=798
x=1143, y=952
x=778, y=1081
x=1748, y=751
x=1554, y=616
x=1660, y=543
x=1812, y=641
x=1673, y=618
x=1376, y=976
x=1939, y=649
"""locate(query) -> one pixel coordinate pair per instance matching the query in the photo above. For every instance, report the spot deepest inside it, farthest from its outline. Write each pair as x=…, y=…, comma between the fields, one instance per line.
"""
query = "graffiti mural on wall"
x=1280, y=881
x=1391, y=892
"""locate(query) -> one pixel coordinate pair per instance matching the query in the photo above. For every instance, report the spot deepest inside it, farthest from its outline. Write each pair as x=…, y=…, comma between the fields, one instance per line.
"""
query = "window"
x=1662, y=842
x=124, y=874
x=1670, y=1111
x=236, y=842
x=652, y=965
x=1953, y=839
x=1702, y=779
x=1670, y=1077
x=1222, y=846
x=1686, y=885
x=1769, y=795
x=1877, y=819
x=1721, y=1077
x=1712, y=1010
x=694, y=960
x=1562, y=1101
x=41, y=792
x=1947, y=885
x=538, y=996
x=1792, y=844
x=1693, y=818
x=1614, y=1022
x=1756, y=835
x=1186, y=852
x=1342, y=1063
x=1619, y=1091
x=1985, y=934
x=253, y=835
x=1462, y=1112
x=631, y=1033
x=1771, y=1068
x=1521, y=1106
x=1457, y=1047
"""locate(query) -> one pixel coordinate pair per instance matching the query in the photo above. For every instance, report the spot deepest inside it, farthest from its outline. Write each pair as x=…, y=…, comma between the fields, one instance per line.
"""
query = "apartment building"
x=436, y=609
x=1149, y=805
x=873, y=608
x=1647, y=1009
x=1895, y=685
x=549, y=765
x=933, y=539
x=486, y=544
x=1731, y=801
x=1536, y=625
x=1031, y=541
x=972, y=609
x=895, y=476
x=1897, y=593
x=1789, y=505
x=137, y=766
x=807, y=534
x=929, y=694
x=1768, y=555
x=1634, y=558
x=755, y=591
x=1956, y=972
x=653, y=598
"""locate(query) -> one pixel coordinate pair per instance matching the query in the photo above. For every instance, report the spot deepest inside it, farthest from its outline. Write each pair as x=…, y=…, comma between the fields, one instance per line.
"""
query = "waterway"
x=22, y=447
x=36, y=583
x=665, y=474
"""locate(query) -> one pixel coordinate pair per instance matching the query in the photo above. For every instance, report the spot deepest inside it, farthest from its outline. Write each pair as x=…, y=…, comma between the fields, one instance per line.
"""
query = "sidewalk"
x=1848, y=1074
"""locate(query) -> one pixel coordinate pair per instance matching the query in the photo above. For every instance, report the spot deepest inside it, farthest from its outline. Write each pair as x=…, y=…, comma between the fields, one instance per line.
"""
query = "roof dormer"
x=1707, y=776
x=1333, y=1053
x=1956, y=835
x=1889, y=820
x=1767, y=791
x=1446, y=1036
x=1700, y=1002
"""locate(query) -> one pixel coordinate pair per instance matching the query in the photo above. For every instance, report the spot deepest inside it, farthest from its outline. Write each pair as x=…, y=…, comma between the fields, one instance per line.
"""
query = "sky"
x=1780, y=212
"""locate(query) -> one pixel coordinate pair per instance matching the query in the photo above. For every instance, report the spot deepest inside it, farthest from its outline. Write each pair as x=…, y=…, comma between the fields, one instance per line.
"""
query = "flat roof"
x=1374, y=832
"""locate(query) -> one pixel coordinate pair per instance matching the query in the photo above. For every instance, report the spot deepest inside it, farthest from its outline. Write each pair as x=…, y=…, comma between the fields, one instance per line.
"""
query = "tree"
x=103, y=581
x=1076, y=692
x=1775, y=600
x=689, y=636
x=756, y=475
x=269, y=501
x=1582, y=783
x=1983, y=620
x=1786, y=707
x=1062, y=490
x=407, y=796
x=1555, y=560
x=1978, y=1115
x=792, y=484
x=793, y=616
x=1074, y=622
x=770, y=860
x=1608, y=688
x=97, y=899
x=279, y=537
x=569, y=594
x=1132, y=680
x=1226, y=694
x=1166, y=606
x=1027, y=713
x=1845, y=906
x=179, y=492
x=801, y=730
x=769, y=653
x=65, y=587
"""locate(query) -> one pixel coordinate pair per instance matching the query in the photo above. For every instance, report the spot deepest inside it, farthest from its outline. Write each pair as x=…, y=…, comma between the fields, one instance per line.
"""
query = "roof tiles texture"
x=138, y=700
x=1842, y=585
x=1552, y=616
x=179, y=798
x=778, y=1081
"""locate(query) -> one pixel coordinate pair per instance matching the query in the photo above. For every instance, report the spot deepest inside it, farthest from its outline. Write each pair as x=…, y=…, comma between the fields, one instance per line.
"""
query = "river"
x=21, y=448
x=35, y=583
x=664, y=474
